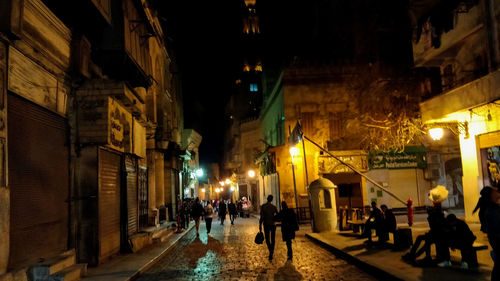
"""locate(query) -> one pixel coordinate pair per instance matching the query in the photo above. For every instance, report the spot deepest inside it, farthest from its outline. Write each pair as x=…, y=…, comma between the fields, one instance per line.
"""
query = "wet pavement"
x=231, y=254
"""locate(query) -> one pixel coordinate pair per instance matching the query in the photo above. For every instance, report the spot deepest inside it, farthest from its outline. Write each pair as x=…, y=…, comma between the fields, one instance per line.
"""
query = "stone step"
x=49, y=266
x=162, y=236
x=72, y=273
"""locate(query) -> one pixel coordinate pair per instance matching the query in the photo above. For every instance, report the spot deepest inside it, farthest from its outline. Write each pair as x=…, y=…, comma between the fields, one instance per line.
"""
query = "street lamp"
x=228, y=181
x=436, y=133
x=251, y=173
x=202, y=190
x=221, y=183
x=221, y=189
x=232, y=188
x=217, y=190
x=199, y=173
x=294, y=151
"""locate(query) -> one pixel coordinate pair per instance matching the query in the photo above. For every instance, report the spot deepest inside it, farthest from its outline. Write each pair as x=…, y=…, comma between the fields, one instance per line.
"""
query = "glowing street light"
x=251, y=173
x=221, y=189
x=294, y=151
x=217, y=190
x=199, y=173
x=228, y=181
x=221, y=183
x=232, y=188
x=202, y=190
x=436, y=133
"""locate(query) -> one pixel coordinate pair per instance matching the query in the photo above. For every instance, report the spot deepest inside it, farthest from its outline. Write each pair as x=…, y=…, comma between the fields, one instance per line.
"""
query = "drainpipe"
x=492, y=30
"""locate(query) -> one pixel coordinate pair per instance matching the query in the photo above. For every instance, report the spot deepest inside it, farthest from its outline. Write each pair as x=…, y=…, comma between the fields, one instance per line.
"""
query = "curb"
x=155, y=260
x=373, y=270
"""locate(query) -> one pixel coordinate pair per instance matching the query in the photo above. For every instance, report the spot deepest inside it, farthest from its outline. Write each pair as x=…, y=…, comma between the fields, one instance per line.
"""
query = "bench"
x=357, y=225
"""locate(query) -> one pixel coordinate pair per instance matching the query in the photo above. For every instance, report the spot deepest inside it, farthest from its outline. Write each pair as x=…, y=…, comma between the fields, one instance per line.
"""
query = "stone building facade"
x=92, y=155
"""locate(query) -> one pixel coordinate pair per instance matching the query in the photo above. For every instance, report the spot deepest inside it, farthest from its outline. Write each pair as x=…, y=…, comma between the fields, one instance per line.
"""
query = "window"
x=253, y=87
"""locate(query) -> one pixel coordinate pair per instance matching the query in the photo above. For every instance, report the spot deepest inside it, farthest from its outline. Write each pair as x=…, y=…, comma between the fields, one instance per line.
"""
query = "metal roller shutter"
x=132, y=202
x=38, y=181
x=109, y=203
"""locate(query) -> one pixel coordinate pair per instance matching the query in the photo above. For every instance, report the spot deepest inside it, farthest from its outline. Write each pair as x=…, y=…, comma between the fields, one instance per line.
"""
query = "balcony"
x=468, y=24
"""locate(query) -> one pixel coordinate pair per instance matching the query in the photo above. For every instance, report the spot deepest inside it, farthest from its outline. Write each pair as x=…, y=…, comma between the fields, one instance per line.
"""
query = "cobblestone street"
x=231, y=254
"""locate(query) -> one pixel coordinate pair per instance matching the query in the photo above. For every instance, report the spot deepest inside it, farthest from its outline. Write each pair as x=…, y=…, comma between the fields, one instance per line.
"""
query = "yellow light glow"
x=294, y=151
x=436, y=133
x=251, y=173
x=221, y=183
x=217, y=190
x=202, y=190
x=228, y=181
x=221, y=189
x=232, y=188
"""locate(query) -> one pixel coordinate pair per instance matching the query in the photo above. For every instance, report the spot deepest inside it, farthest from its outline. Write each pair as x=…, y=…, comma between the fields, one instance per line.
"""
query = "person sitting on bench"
x=462, y=238
x=373, y=222
x=388, y=224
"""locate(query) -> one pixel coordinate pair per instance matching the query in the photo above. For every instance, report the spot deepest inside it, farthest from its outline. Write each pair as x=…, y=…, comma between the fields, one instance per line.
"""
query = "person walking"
x=197, y=213
x=232, y=210
x=267, y=214
x=209, y=215
x=289, y=225
x=222, y=211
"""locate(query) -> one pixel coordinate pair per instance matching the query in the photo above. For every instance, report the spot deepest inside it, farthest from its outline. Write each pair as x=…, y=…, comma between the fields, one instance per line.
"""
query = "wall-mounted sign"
x=119, y=126
x=410, y=158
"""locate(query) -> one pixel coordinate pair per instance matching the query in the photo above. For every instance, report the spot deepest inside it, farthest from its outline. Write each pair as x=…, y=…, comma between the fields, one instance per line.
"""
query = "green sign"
x=410, y=158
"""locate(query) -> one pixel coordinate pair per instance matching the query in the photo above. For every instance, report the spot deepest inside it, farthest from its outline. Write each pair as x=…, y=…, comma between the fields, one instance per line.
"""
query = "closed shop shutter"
x=109, y=203
x=38, y=181
x=132, y=202
x=143, y=196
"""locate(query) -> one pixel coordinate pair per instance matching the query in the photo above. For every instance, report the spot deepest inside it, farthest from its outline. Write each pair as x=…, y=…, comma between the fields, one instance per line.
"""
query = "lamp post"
x=294, y=151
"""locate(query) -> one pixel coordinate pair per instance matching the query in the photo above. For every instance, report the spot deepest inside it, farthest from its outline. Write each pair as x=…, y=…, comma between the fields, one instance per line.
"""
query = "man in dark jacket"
x=197, y=213
x=222, y=211
x=267, y=214
x=232, y=210
x=461, y=237
x=374, y=221
x=289, y=225
x=388, y=224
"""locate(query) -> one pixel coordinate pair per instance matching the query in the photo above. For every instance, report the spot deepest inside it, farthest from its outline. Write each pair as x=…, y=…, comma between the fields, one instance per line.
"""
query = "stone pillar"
x=160, y=181
x=4, y=228
x=4, y=191
x=153, y=212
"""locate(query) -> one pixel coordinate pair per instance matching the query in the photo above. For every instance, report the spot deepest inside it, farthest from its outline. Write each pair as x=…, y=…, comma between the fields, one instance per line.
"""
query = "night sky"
x=206, y=38
x=208, y=44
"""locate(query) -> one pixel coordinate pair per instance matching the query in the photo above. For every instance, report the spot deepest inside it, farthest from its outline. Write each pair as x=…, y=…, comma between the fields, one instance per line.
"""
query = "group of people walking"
x=199, y=210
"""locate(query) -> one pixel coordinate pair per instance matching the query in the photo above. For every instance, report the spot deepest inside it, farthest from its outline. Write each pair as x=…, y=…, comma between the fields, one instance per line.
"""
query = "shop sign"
x=410, y=158
x=119, y=126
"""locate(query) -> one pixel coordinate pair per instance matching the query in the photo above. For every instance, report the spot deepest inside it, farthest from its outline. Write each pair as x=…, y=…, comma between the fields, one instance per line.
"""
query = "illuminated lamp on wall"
x=436, y=130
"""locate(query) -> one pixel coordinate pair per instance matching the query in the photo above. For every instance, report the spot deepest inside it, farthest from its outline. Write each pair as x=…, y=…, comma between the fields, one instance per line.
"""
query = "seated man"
x=462, y=238
x=373, y=222
x=388, y=224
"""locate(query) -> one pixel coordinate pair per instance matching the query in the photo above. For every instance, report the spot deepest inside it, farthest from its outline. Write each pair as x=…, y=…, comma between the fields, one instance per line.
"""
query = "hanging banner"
x=410, y=158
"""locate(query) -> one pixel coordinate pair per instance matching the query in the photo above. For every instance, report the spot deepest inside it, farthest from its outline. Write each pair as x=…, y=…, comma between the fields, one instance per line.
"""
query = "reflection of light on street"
x=436, y=133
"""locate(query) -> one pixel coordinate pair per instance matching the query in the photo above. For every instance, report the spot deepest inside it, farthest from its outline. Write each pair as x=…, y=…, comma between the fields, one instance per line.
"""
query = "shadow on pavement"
x=288, y=272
